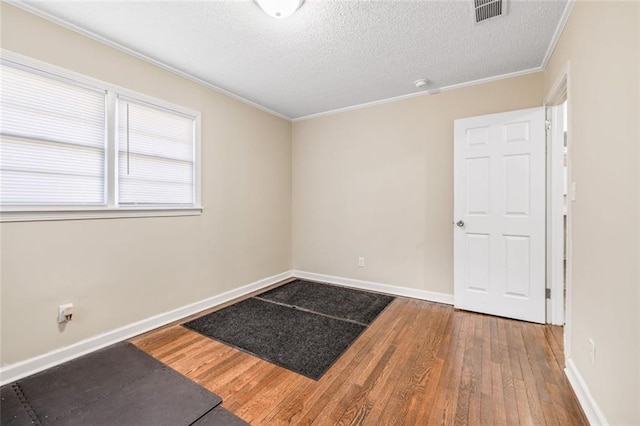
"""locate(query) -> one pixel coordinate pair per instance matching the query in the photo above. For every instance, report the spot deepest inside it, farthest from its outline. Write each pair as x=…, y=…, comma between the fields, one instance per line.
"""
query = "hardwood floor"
x=418, y=363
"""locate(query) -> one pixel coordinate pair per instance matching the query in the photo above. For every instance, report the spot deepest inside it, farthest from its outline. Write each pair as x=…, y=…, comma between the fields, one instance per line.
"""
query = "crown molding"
x=423, y=93
x=556, y=35
x=20, y=4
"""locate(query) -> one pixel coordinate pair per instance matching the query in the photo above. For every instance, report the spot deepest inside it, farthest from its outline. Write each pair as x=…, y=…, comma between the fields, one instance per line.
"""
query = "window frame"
x=21, y=213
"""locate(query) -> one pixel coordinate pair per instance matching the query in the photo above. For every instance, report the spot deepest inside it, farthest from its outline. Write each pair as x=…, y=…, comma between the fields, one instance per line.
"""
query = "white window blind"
x=52, y=140
x=156, y=155
x=72, y=147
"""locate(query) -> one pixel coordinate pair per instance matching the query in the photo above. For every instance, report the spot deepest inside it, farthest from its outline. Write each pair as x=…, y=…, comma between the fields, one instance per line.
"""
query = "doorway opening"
x=560, y=194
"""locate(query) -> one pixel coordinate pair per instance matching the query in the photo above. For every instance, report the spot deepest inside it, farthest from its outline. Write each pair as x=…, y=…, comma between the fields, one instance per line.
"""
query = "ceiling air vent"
x=487, y=9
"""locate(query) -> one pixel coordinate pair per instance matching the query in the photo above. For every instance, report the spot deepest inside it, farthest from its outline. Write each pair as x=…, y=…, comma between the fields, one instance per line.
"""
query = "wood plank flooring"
x=418, y=363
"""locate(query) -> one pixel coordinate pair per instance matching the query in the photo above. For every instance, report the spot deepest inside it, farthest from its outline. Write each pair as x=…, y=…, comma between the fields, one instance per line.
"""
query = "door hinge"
x=547, y=293
x=547, y=124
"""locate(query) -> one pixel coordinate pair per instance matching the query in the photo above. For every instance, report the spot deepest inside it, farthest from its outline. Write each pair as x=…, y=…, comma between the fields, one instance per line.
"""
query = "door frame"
x=558, y=93
x=555, y=214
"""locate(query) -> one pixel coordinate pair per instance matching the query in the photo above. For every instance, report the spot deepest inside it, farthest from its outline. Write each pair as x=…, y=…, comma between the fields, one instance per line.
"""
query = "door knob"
x=460, y=223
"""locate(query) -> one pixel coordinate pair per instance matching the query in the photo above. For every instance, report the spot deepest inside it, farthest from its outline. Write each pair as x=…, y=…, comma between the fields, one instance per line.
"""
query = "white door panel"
x=499, y=183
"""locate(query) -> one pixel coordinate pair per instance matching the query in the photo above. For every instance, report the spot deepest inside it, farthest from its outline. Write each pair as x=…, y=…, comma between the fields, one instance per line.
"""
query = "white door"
x=499, y=214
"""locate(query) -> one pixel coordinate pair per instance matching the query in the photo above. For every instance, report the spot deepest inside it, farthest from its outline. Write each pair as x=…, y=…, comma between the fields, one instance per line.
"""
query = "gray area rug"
x=281, y=326
x=339, y=302
x=118, y=385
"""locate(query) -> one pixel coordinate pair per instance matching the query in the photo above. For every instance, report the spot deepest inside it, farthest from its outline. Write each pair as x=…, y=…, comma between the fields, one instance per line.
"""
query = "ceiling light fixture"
x=279, y=8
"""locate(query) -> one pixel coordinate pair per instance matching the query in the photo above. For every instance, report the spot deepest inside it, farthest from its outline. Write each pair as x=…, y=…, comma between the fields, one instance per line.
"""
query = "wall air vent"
x=488, y=9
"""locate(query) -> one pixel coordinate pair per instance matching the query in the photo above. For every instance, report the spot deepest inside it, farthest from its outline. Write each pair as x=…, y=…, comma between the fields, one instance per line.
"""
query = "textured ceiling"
x=328, y=55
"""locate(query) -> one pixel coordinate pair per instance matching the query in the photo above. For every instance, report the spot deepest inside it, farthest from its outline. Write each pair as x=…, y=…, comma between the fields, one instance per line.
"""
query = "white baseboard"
x=13, y=372
x=591, y=409
x=379, y=287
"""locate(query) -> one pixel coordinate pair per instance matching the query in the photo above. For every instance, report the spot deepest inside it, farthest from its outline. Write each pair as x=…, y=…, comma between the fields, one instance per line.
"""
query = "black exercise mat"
x=340, y=302
x=161, y=398
x=90, y=377
x=300, y=341
x=116, y=385
x=12, y=409
x=220, y=417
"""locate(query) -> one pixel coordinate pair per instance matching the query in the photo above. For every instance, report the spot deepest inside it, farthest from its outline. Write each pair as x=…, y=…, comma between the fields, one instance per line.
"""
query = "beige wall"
x=118, y=271
x=374, y=182
x=378, y=182
x=601, y=41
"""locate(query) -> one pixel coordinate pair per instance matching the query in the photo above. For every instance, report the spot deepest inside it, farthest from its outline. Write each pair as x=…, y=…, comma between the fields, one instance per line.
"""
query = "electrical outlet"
x=592, y=351
x=361, y=262
x=65, y=312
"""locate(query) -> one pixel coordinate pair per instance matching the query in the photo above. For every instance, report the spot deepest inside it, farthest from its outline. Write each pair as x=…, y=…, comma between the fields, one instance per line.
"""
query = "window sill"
x=95, y=213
